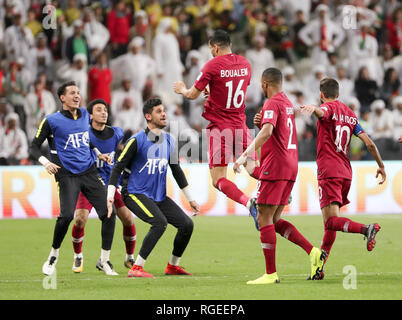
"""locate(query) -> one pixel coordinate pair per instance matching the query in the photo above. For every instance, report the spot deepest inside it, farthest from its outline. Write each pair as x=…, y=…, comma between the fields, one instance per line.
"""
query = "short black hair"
x=330, y=88
x=90, y=105
x=221, y=38
x=62, y=89
x=150, y=104
x=272, y=75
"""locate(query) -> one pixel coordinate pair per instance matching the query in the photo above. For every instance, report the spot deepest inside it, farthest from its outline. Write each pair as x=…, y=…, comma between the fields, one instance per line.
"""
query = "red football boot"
x=176, y=271
x=138, y=272
x=370, y=235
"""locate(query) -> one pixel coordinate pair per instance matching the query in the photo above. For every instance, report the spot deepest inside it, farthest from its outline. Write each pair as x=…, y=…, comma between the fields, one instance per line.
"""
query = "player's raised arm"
x=180, y=88
x=262, y=136
x=310, y=109
x=372, y=148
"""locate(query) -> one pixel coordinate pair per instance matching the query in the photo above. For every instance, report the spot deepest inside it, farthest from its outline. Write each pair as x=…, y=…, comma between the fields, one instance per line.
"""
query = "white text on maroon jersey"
x=344, y=118
x=234, y=73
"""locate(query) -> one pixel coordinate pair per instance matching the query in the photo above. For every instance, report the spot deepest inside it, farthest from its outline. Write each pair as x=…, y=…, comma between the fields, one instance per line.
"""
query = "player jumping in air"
x=148, y=154
x=335, y=126
x=227, y=75
x=106, y=139
x=277, y=175
x=73, y=164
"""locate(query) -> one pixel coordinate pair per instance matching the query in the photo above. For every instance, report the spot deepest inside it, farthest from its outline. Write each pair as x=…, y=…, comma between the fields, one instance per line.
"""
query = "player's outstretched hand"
x=109, y=207
x=106, y=158
x=257, y=120
x=309, y=109
x=239, y=162
x=381, y=171
x=51, y=168
x=195, y=206
x=179, y=87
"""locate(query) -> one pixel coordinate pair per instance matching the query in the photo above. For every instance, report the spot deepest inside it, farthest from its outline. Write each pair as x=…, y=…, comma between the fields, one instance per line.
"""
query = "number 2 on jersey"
x=239, y=92
x=290, y=125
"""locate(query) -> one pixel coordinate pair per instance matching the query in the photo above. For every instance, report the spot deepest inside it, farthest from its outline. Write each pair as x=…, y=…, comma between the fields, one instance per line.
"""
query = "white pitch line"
x=200, y=277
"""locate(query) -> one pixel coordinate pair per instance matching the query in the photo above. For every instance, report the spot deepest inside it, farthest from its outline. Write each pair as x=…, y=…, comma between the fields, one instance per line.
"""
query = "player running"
x=227, y=75
x=335, y=126
x=147, y=154
x=277, y=175
x=73, y=165
x=106, y=139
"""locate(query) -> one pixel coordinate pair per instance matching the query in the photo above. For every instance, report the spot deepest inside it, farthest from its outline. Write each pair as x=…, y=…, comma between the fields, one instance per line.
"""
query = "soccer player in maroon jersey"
x=277, y=175
x=227, y=75
x=335, y=126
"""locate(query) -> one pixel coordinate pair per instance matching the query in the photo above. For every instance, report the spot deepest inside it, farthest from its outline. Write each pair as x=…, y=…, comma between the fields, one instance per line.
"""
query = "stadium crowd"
x=128, y=51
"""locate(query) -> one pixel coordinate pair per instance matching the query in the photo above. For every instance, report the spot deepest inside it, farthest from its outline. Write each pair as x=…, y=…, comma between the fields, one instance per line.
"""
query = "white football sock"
x=140, y=261
x=105, y=255
x=174, y=261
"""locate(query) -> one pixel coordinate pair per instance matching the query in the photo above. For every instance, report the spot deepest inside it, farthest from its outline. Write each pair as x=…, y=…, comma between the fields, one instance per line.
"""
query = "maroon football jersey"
x=279, y=155
x=228, y=77
x=334, y=132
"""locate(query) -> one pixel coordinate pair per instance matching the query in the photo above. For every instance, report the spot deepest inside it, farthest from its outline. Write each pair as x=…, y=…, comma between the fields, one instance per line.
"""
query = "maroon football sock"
x=78, y=237
x=268, y=243
x=232, y=191
x=289, y=231
x=129, y=237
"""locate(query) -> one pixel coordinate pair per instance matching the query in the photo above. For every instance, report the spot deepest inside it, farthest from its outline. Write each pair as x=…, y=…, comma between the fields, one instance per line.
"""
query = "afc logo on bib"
x=77, y=139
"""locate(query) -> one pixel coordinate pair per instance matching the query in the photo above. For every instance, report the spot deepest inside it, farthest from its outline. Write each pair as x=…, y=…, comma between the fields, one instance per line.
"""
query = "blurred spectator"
x=33, y=24
x=390, y=87
x=364, y=52
x=118, y=24
x=77, y=43
x=346, y=86
x=135, y=64
x=366, y=88
x=381, y=120
x=311, y=84
x=394, y=27
x=5, y=109
x=258, y=25
x=354, y=104
x=168, y=65
x=322, y=34
x=72, y=13
x=333, y=62
x=18, y=39
x=39, y=103
x=125, y=91
x=279, y=39
x=397, y=116
x=290, y=83
x=77, y=71
x=16, y=90
x=95, y=33
x=100, y=80
x=154, y=11
x=42, y=58
x=128, y=117
x=299, y=48
x=259, y=57
x=13, y=142
x=142, y=29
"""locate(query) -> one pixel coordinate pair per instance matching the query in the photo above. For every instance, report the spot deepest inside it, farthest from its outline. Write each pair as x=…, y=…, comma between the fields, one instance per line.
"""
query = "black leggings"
x=95, y=191
x=158, y=215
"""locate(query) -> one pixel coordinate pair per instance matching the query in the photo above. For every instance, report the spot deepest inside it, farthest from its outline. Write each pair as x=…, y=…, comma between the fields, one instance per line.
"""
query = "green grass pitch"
x=224, y=253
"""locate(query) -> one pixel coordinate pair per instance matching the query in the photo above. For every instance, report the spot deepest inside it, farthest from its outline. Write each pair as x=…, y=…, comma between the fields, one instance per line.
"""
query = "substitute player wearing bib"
x=148, y=154
x=107, y=140
x=73, y=164
x=227, y=76
x=335, y=126
x=277, y=175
